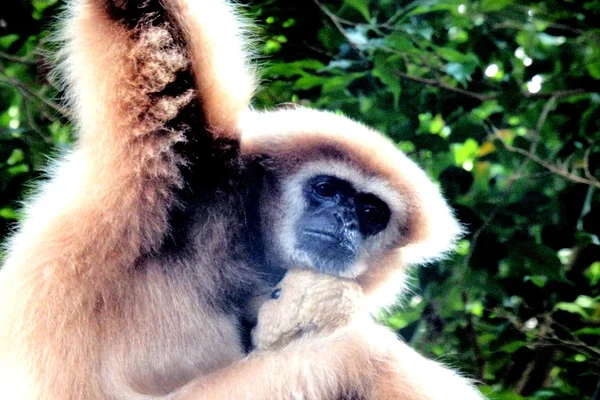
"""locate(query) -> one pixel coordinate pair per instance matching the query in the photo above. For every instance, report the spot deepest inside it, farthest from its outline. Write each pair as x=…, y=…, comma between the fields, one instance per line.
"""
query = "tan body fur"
x=127, y=276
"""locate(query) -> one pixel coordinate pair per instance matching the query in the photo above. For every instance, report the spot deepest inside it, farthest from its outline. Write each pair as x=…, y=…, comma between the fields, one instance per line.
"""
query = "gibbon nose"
x=345, y=220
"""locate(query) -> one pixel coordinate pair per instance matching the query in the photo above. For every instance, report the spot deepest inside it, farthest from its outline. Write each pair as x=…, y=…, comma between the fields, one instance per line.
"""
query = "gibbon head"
x=341, y=198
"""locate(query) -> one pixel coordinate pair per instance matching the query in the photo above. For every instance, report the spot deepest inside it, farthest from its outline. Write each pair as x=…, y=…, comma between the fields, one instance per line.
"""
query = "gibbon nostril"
x=339, y=219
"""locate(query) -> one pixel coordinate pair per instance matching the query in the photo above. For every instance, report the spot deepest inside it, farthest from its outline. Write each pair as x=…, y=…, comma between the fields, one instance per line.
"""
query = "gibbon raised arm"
x=131, y=272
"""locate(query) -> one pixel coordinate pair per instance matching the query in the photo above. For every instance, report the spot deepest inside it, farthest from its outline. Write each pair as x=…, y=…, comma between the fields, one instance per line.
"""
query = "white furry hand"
x=304, y=302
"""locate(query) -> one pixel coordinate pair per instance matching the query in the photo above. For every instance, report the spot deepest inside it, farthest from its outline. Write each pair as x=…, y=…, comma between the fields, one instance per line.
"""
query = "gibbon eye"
x=276, y=293
x=373, y=214
x=372, y=219
x=324, y=189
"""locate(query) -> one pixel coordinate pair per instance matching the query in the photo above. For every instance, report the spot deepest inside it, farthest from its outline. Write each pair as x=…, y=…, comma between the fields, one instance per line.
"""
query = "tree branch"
x=586, y=163
x=485, y=97
x=22, y=60
x=28, y=92
x=559, y=94
x=337, y=22
x=551, y=167
x=440, y=84
x=479, y=356
x=543, y=117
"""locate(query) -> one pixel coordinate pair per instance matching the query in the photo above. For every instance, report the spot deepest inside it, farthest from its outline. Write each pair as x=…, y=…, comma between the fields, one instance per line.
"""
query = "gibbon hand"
x=305, y=303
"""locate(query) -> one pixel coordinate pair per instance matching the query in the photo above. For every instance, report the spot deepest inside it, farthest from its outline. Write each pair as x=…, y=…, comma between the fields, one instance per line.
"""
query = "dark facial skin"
x=337, y=221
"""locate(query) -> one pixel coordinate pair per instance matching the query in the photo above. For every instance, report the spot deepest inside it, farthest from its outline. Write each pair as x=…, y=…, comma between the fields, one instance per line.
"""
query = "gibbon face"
x=331, y=221
x=335, y=222
x=333, y=217
x=341, y=198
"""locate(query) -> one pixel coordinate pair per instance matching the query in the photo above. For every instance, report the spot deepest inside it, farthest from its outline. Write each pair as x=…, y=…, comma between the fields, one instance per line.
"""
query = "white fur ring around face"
x=306, y=302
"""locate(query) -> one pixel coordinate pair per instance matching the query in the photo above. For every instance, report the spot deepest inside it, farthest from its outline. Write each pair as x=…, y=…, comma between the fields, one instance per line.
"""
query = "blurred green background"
x=498, y=99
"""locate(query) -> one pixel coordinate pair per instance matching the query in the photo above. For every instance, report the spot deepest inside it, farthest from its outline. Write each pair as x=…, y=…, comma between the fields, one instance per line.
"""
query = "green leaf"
x=400, y=320
x=586, y=301
x=308, y=82
x=475, y=308
x=41, y=5
x=330, y=38
x=18, y=169
x=17, y=156
x=437, y=124
x=537, y=259
x=452, y=55
x=587, y=331
x=512, y=346
x=431, y=6
x=339, y=83
x=8, y=213
x=272, y=46
x=361, y=6
x=460, y=65
x=594, y=70
x=593, y=273
x=486, y=109
x=494, y=393
x=537, y=280
x=571, y=308
x=6, y=41
x=460, y=72
x=464, y=152
x=386, y=70
x=495, y=5
x=293, y=69
x=399, y=41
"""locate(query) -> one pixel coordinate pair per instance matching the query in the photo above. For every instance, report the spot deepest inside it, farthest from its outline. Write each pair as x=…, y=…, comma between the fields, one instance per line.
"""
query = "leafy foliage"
x=498, y=99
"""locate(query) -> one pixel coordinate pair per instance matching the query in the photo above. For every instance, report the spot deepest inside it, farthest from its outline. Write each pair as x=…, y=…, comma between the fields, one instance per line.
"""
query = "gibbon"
x=130, y=274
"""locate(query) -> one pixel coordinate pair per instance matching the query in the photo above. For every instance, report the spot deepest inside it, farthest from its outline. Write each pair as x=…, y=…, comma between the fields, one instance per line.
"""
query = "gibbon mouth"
x=322, y=235
x=331, y=241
